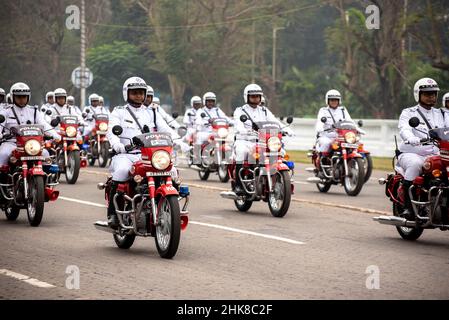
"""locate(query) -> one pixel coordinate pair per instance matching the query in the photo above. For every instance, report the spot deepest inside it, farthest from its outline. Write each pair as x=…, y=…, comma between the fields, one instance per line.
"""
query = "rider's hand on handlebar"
x=119, y=148
x=129, y=147
x=415, y=141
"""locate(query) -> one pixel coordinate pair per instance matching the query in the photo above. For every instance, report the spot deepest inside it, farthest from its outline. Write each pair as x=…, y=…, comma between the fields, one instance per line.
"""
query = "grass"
x=379, y=163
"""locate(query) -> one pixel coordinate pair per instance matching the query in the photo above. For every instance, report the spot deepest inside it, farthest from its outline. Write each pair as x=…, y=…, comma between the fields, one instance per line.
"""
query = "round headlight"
x=274, y=144
x=32, y=147
x=161, y=160
x=103, y=126
x=70, y=131
x=223, y=132
x=350, y=137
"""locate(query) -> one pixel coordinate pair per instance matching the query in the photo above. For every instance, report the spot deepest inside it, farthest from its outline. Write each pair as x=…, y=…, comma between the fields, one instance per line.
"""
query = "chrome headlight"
x=274, y=144
x=223, y=132
x=161, y=160
x=32, y=147
x=103, y=126
x=350, y=137
x=70, y=131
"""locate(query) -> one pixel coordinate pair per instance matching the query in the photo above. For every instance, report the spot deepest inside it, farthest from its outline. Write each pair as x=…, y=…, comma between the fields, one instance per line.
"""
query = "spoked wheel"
x=279, y=199
x=12, y=212
x=72, y=170
x=103, y=157
x=35, y=204
x=406, y=233
x=168, y=230
x=367, y=166
x=91, y=160
x=204, y=174
x=324, y=187
x=223, y=173
x=90, y=155
x=354, y=179
x=125, y=239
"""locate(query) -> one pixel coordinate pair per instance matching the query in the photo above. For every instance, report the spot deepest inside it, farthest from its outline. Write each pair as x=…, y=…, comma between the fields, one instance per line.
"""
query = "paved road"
x=314, y=252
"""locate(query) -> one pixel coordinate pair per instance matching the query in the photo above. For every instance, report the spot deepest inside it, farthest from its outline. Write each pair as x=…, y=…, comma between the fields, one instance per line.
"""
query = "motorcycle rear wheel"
x=203, y=174
x=12, y=212
x=406, y=233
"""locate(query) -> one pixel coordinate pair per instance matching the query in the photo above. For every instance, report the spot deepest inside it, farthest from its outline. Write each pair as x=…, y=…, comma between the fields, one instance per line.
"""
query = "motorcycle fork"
x=98, y=144
x=218, y=152
x=65, y=153
x=345, y=160
x=267, y=169
x=152, y=193
x=25, y=180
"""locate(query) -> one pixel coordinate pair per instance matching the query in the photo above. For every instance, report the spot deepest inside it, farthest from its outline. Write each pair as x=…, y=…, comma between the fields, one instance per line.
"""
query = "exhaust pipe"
x=101, y=186
x=310, y=169
x=103, y=226
x=395, y=221
x=382, y=181
x=314, y=180
x=229, y=195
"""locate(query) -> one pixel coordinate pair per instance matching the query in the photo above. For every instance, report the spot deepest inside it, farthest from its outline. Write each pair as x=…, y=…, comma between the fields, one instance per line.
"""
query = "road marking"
x=202, y=224
x=320, y=203
x=27, y=279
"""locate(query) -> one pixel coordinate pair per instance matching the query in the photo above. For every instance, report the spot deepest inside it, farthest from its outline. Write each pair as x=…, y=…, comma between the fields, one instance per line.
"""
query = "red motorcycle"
x=344, y=164
x=264, y=176
x=99, y=144
x=214, y=152
x=24, y=183
x=67, y=151
x=429, y=192
x=147, y=205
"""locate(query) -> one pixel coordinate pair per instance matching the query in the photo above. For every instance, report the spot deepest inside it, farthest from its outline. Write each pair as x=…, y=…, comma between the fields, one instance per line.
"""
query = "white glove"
x=414, y=141
x=119, y=148
x=181, y=144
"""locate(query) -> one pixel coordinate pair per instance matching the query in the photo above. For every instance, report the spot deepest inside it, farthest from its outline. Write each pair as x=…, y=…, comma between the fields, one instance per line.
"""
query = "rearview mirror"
x=203, y=115
x=413, y=122
x=243, y=118
x=2, y=118
x=87, y=111
x=117, y=130
x=360, y=123
x=323, y=119
x=146, y=129
x=289, y=120
x=55, y=122
x=175, y=115
x=48, y=112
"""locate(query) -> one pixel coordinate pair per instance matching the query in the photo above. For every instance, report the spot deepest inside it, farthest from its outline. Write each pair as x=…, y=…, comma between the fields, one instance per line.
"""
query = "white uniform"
x=336, y=115
x=121, y=163
x=244, y=135
x=203, y=126
x=190, y=122
x=24, y=115
x=413, y=156
x=90, y=121
x=168, y=118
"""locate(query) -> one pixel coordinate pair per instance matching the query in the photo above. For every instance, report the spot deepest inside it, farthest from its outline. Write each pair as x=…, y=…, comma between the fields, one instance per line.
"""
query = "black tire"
x=72, y=157
x=243, y=205
x=323, y=187
x=203, y=174
x=368, y=165
x=358, y=184
x=124, y=242
x=12, y=212
x=103, y=157
x=35, y=205
x=280, y=210
x=410, y=234
x=223, y=178
x=91, y=160
x=169, y=206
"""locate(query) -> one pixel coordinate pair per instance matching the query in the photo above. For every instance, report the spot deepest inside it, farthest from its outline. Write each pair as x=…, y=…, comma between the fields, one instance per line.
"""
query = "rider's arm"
x=405, y=131
x=47, y=127
x=186, y=119
x=114, y=119
x=319, y=126
x=162, y=126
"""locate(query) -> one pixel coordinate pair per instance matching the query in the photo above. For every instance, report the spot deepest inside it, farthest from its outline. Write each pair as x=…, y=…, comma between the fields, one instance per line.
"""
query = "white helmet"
x=195, y=99
x=101, y=99
x=445, y=99
x=8, y=98
x=20, y=89
x=48, y=95
x=209, y=96
x=252, y=89
x=2, y=92
x=133, y=83
x=150, y=91
x=424, y=84
x=263, y=100
x=93, y=97
x=71, y=99
x=60, y=92
x=157, y=101
x=333, y=94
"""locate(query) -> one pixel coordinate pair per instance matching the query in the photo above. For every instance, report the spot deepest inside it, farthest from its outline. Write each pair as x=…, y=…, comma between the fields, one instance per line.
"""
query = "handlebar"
x=423, y=140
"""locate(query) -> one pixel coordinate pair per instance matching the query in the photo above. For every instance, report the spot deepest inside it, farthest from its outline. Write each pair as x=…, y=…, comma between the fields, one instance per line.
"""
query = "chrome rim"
x=163, y=228
x=277, y=196
x=222, y=172
x=70, y=165
x=32, y=204
x=352, y=177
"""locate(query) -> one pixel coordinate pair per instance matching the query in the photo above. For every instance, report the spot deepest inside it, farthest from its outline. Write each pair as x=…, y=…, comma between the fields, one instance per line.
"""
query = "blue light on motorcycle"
x=290, y=164
x=54, y=168
x=85, y=146
x=184, y=191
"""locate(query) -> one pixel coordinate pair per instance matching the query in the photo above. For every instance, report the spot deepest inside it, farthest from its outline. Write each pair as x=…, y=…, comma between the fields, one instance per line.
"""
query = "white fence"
x=379, y=138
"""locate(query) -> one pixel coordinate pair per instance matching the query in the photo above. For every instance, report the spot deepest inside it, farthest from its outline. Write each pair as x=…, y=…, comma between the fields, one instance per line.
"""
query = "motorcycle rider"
x=413, y=154
x=245, y=138
x=94, y=108
x=150, y=96
x=134, y=119
x=156, y=107
x=3, y=104
x=190, y=117
x=71, y=103
x=49, y=101
x=445, y=104
x=8, y=99
x=334, y=113
x=21, y=113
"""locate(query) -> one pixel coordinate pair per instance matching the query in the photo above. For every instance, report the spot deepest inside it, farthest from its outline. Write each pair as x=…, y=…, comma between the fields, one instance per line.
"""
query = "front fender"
x=280, y=166
x=354, y=154
x=72, y=147
x=166, y=190
x=36, y=171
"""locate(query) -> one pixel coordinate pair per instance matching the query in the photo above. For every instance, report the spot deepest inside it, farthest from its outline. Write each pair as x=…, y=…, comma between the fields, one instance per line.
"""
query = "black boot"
x=238, y=188
x=408, y=212
x=113, y=221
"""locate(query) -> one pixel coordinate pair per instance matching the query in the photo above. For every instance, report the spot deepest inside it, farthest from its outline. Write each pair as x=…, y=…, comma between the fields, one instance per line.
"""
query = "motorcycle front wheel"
x=72, y=170
x=223, y=173
x=35, y=203
x=354, y=179
x=168, y=230
x=279, y=200
x=103, y=157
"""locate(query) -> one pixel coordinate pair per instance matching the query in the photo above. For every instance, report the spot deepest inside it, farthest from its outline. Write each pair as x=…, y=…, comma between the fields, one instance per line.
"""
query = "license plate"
x=32, y=158
x=349, y=145
x=69, y=139
x=102, y=132
x=159, y=174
